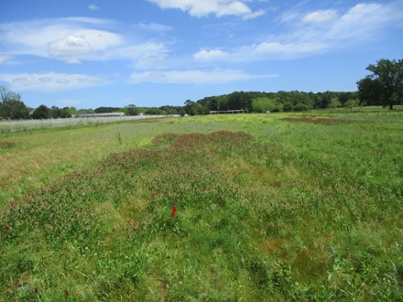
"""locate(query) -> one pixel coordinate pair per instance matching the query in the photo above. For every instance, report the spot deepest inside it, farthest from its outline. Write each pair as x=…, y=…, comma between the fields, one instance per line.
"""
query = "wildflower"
x=174, y=211
x=67, y=292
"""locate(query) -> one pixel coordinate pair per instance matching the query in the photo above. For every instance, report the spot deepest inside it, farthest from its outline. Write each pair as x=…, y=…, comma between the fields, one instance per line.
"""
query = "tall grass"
x=302, y=209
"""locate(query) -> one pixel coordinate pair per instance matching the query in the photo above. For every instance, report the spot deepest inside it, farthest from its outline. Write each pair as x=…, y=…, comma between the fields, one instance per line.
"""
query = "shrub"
x=153, y=111
x=262, y=104
x=279, y=108
x=301, y=107
x=351, y=103
x=334, y=103
x=288, y=106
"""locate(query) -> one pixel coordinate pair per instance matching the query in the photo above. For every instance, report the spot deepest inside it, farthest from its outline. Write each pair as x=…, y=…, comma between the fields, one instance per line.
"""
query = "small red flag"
x=174, y=211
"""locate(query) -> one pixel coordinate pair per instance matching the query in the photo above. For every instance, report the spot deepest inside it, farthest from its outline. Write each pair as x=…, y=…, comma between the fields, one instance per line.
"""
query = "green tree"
x=288, y=106
x=351, y=103
x=42, y=112
x=106, y=109
x=132, y=110
x=384, y=85
x=66, y=112
x=278, y=108
x=334, y=103
x=11, y=105
x=168, y=109
x=301, y=107
x=189, y=107
x=182, y=111
x=201, y=110
x=153, y=111
x=263, y=104
x=56, y=112
x=124, y=110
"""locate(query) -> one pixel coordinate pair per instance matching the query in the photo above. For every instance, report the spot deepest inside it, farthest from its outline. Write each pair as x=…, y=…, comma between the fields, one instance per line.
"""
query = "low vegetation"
x=269, y=207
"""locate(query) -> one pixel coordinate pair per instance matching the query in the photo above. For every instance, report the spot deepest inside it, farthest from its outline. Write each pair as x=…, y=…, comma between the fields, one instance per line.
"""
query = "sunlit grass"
x=272, y=210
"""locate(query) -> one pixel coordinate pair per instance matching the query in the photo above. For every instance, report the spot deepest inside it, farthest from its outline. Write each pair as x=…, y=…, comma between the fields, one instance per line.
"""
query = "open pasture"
x=274, y=207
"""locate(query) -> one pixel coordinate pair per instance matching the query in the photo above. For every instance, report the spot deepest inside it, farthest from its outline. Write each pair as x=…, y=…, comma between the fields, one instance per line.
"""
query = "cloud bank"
x=194, y=77
x=48, y=82
x=204, y=8
x=312, y=33
x=74, y=40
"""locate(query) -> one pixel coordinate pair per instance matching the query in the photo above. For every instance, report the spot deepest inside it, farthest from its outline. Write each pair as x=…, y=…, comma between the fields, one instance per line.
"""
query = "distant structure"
x=110, y=114
x=225, y=111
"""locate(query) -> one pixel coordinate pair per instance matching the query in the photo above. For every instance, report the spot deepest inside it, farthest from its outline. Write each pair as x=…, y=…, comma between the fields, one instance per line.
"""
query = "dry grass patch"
x=314, y=120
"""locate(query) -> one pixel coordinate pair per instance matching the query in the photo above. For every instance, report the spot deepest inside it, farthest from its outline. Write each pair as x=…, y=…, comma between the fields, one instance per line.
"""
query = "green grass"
x=266, y=210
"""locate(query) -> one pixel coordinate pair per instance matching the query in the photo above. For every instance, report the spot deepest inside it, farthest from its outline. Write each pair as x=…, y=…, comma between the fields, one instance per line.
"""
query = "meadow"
x=248, y=207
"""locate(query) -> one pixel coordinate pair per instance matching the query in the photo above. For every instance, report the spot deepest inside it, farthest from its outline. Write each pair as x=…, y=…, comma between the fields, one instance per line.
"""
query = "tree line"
x=383, y=87
x=273, y=101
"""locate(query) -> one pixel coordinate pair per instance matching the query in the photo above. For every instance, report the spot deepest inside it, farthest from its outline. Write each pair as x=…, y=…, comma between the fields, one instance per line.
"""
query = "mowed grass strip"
x=296, y=211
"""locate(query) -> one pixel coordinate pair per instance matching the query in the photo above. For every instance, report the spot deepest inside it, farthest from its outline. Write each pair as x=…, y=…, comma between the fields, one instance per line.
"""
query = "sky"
x=88, y=54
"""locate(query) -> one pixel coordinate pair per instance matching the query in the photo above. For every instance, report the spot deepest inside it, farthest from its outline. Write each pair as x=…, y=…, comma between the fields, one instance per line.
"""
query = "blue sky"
x=163, y=52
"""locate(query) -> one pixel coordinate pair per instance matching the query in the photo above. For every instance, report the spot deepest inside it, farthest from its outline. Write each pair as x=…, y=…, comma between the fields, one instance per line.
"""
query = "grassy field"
x=274, y=207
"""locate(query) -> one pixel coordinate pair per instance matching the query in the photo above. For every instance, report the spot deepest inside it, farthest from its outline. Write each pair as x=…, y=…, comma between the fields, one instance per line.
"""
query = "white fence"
x=24, y=125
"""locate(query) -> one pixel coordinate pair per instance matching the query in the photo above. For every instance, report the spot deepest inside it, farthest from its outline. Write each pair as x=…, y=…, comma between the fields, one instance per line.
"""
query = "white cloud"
x=136, y=52
x=331, y=31
x=203, y=8
x=70, y=46
x=58, y=38
x=74, y=40
x=153, y=58
x=205, y=55
x=87, y=20
x=194, y=77
x=73, y=61
x=256, y=14
x=90, y=80
x=148, y=62
x=62, y=81
x=49, y=82
x=25, y=80
x=4, y=58
x=44, y=80
x=156, y=75
x=93, y=7
x=363, y=22
x=155, y=27
x=320, y=16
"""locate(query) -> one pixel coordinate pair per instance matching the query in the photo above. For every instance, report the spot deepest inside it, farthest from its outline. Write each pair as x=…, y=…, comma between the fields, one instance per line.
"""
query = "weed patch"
x=316, y=120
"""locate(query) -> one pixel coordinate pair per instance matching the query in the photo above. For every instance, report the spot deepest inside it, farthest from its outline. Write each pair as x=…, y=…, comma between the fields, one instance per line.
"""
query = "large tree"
x=385, y=85
x=11, y=105
x=42, y=112
x=132, y=110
